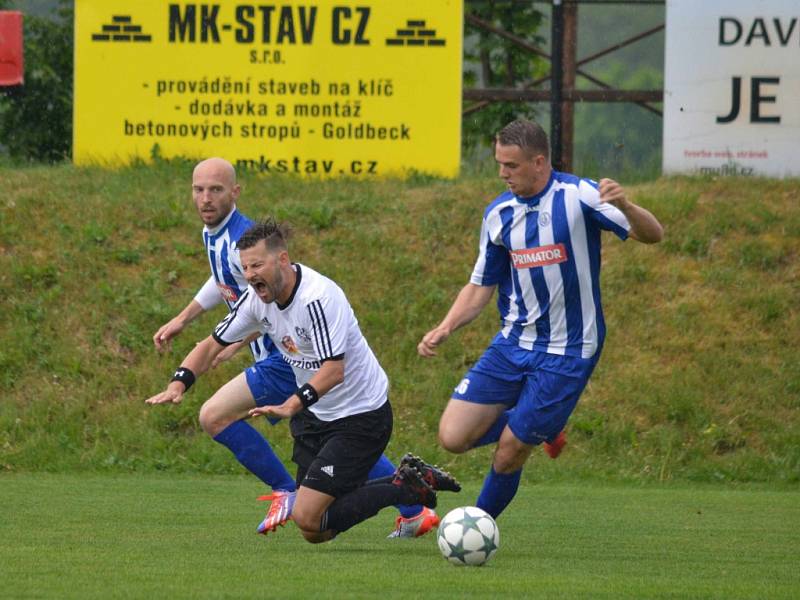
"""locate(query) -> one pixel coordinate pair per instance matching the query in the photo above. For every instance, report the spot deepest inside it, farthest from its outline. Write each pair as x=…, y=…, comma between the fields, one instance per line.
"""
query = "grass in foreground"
x=89, y=536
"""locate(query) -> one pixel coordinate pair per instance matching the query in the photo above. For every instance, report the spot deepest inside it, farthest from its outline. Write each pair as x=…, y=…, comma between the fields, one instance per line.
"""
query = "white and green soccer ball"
x=468, y=536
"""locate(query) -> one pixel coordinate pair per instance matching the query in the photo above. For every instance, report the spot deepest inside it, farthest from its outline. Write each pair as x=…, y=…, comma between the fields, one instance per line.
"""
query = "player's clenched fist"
x=432, y=339
x=612, y=192
x=164, y=335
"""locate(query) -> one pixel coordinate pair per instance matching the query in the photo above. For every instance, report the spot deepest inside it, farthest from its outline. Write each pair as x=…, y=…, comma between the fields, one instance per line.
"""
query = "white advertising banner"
x=732, y=88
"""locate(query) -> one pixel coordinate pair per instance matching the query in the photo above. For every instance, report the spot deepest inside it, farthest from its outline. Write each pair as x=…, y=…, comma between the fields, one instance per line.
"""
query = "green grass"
x=156, y=536
x=699, y=379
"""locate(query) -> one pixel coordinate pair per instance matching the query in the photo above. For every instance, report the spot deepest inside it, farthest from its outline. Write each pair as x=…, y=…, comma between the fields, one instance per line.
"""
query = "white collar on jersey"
x=217, y=228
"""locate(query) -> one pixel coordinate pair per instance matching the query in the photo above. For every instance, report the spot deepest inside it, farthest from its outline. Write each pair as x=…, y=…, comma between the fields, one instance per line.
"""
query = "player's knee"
x=314, y=537
x=307, y=521
x=452, y=440
x=212, y=420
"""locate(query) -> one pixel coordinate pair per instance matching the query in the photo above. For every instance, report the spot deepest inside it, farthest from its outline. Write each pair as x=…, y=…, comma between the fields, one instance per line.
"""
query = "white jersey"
x=543, y=253
x=316, y=324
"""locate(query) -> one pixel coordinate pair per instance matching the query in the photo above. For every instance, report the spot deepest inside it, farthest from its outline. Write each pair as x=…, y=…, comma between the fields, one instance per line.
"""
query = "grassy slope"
x=699, y=378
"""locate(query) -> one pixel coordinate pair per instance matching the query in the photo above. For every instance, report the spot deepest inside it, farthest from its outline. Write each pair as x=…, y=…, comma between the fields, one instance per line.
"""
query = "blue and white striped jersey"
x=543, y=253
x=227, y=277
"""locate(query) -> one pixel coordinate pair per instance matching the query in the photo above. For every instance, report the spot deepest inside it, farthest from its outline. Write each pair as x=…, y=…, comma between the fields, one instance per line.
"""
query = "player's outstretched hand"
x=168, y=395
x=288, y=409
x=164, y=335
x=432, y=339
x=612, y=192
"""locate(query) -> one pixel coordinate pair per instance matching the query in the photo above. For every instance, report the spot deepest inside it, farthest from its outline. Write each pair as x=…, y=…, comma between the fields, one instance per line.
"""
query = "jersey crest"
x=228, y=293
x=288, y=343
x=303, y=334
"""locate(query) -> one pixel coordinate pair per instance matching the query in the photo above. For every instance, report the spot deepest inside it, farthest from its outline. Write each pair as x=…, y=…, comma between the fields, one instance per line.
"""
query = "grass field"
x=680, y=480
x=158, y=536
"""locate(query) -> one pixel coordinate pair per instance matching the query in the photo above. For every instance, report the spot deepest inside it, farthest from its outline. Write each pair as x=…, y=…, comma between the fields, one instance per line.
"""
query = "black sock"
x=378, y=480
x=361, y=504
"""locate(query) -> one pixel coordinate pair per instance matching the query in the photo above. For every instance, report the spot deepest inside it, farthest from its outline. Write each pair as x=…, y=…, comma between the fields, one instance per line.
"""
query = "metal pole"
x=556, y=81
x=570, y=68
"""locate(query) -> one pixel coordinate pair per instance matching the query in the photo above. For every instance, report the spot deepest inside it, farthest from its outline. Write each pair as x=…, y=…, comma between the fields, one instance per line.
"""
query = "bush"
x=496, y=62
x=36, y=119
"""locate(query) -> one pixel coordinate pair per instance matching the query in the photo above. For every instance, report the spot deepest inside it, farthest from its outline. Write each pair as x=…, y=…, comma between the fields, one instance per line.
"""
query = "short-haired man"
x=269, y=380
x=341, y=419
x=540, y=247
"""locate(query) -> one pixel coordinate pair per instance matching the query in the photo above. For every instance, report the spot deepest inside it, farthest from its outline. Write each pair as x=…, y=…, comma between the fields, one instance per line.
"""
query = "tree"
x=36, y=120
x=497, y=62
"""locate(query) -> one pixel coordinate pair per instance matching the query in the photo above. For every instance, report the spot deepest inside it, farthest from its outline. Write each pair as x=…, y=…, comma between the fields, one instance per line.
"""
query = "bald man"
x=270, y=380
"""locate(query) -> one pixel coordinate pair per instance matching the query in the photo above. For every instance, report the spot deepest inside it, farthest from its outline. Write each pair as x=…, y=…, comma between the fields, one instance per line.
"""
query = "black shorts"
x=335, y=457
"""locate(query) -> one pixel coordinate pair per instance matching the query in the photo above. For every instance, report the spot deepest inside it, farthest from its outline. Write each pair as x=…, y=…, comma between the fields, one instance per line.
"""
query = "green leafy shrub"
x=36, y=119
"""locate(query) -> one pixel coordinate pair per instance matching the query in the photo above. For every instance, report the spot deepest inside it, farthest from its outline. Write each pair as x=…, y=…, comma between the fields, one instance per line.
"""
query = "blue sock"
x=493, y=435
x=254, y=452
x=384, y=468
x=498, y=490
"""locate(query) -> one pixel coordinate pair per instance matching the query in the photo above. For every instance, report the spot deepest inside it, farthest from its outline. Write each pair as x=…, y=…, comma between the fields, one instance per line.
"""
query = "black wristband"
x=307, y=394
x=185, y=376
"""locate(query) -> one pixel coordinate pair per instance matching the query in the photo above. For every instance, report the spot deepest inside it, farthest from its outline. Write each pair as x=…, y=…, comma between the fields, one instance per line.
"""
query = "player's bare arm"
x=166, y=332
x=229, y=351
x=330, y=374
x=644, y=226
x=467, y=306
x=197, y=362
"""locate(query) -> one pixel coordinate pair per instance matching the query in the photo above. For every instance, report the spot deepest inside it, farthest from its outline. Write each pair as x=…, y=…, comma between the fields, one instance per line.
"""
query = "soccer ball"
x=468, y=536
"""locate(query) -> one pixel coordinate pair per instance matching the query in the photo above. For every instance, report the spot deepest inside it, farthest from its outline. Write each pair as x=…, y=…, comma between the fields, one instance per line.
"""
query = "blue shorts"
x=271, y=381
x=542, y=388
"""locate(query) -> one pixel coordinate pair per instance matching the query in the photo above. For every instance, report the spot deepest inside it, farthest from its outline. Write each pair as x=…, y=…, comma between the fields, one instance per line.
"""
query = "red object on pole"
x=12, y=67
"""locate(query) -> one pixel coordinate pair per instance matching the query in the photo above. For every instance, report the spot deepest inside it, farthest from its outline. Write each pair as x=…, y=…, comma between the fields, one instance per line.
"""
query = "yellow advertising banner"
x=314, y=87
